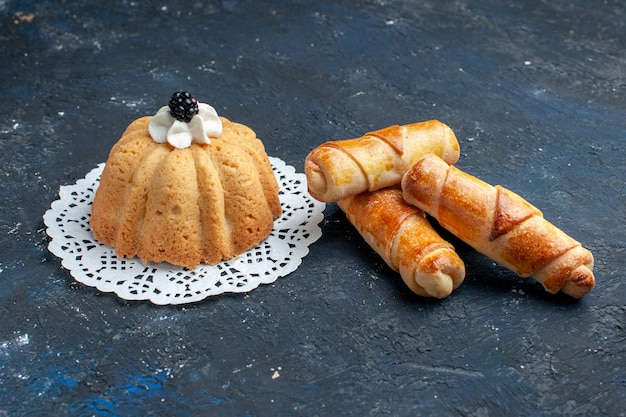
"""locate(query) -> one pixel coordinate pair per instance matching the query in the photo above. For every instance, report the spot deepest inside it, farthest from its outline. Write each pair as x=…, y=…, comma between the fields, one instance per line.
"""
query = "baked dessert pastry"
x=403, y=237
x=185, y=187
x=500, y=224
x=378, y=159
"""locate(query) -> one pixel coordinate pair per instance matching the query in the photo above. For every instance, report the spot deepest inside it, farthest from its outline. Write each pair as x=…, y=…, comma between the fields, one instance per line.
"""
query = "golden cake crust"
x=201, y=204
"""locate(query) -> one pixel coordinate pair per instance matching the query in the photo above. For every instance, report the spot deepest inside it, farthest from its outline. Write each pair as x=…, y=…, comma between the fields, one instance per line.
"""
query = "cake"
x=185, y=186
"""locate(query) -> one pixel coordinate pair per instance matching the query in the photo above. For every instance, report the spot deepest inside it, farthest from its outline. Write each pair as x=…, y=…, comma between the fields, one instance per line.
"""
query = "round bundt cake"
x=201, y=203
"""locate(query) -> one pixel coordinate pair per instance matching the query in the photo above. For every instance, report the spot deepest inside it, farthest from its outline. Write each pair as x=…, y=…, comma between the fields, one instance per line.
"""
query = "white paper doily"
x=96, y=265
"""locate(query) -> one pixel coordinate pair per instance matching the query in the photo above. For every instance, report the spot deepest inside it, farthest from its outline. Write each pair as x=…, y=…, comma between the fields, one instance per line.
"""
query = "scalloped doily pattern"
x=97, y=265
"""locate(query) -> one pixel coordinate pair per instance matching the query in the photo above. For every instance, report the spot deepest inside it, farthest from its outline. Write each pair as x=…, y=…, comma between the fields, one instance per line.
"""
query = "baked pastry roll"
x=403, y=237
x=500, y=224
x=338, y=169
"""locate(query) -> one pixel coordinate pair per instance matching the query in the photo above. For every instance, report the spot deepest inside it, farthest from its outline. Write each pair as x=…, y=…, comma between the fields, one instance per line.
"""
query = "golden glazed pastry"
x=403, y=237
x=501, y=225
x=338, y=169
x=200, y=203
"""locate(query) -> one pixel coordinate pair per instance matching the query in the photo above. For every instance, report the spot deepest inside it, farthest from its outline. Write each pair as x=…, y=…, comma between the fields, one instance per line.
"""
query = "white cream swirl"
x=164, y=127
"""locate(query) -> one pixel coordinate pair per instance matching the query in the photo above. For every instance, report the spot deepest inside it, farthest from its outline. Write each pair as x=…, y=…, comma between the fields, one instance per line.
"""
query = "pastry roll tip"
x=437, y=275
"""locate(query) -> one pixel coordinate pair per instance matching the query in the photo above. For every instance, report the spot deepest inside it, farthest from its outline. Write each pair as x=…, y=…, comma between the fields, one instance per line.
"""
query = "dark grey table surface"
x=535, y=92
